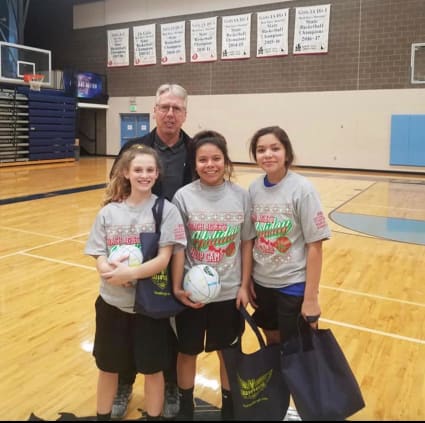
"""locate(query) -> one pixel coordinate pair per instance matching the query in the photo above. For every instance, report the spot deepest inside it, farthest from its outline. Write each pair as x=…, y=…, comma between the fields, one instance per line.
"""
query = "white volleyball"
x=135, y=256
x=203, y=282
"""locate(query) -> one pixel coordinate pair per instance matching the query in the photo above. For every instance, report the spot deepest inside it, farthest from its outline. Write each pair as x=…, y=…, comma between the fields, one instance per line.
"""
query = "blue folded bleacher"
x=51, y=126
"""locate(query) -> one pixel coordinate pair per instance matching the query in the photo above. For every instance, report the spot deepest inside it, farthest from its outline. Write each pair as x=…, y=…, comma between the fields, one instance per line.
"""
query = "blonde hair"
x=119, y=187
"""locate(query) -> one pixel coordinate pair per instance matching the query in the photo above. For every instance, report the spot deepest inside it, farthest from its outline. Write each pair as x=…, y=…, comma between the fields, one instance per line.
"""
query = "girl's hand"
x=242, y=297
x=120, y=273
x=310, y=310
x=252, y=295
x=183, y=297
x=105, y=266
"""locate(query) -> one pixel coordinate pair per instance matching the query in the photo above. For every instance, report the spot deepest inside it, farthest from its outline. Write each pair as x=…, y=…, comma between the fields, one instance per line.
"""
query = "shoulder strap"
x=157, y=209
x=253, y=325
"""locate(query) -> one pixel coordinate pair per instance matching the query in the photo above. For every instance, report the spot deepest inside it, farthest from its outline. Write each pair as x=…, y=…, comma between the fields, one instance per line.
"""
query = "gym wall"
x=336, y=107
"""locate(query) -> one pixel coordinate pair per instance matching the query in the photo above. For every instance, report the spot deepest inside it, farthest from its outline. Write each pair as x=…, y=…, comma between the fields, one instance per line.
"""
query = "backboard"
x=417, y=63
x=16, y=60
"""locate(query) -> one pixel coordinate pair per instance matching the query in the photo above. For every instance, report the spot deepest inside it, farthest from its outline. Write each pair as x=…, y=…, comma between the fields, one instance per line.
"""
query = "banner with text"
x=203, y=40
x=272, y=33
x=236, y=37
x=311, y=31
x=144, y=45
x=173, y=46
x=118, y=51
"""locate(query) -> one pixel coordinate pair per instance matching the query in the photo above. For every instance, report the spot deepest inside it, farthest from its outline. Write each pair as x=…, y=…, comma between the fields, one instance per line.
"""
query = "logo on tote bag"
x=250, y=389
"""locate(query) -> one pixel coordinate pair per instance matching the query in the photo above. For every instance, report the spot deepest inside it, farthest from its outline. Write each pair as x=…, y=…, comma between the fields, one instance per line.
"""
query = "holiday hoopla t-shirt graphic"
x=272, y=232
x=214, y=237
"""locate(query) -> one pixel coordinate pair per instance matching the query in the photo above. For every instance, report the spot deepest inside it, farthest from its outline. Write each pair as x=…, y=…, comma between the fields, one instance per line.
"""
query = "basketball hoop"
x=34, y=80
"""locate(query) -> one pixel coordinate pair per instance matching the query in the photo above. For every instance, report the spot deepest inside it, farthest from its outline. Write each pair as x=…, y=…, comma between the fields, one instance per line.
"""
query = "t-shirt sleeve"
x=248, y=228
x=313, y=219
x=172, y=229
x=96, y=243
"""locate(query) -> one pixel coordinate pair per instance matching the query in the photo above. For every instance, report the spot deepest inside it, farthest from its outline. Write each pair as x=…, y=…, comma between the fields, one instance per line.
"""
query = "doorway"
x=133, y=125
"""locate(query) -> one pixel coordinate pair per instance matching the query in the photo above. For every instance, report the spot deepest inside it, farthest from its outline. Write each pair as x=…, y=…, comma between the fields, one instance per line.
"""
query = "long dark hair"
x=214, y=138
x=281, y=135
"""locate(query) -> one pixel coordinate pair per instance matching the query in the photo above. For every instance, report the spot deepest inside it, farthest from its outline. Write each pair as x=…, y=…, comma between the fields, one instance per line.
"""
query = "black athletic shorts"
x=210, y=328
x=124, y=338
x=277, y=311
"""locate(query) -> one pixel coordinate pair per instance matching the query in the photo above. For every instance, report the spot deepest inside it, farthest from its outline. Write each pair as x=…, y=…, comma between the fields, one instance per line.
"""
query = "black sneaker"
x=171, y=401
x=186, y=411
x=121, y=400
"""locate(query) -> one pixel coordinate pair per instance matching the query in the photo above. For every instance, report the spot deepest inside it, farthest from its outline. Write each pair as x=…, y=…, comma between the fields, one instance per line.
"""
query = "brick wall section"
x=369, y=48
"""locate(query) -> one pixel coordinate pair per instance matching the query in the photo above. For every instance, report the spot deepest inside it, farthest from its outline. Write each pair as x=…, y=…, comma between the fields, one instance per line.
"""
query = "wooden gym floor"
x=372, y=289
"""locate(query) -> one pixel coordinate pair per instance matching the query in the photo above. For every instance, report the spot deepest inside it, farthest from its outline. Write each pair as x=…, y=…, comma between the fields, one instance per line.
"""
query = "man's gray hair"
x=174, y=89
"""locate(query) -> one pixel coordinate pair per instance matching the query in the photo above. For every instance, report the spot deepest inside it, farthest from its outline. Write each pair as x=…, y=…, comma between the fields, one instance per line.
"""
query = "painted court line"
x=49, y=194
x=67, y=263
x=342, y=324
x=23, y=231
x=347, y=325
x=378, y=297
x=376, y=332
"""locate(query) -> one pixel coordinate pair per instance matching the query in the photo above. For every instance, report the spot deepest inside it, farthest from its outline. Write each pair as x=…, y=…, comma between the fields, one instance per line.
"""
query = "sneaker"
x=171, y=401
x=186, y=410
x=121, y=400
x=292, y=415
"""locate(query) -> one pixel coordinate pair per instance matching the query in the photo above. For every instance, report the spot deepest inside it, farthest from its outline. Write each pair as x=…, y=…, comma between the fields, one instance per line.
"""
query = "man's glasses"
x=164, y=108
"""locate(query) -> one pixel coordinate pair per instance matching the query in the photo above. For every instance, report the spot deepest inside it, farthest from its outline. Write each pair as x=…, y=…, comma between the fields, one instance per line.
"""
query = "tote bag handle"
x=248, y=318
x=157, y=209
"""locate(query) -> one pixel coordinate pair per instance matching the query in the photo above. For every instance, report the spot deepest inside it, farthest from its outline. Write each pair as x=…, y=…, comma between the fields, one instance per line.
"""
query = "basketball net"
x=34, y=80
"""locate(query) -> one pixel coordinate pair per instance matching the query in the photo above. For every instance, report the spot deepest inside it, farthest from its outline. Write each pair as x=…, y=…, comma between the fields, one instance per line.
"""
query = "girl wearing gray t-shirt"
x=219, y=231
x=290, y=226
x=122, y=336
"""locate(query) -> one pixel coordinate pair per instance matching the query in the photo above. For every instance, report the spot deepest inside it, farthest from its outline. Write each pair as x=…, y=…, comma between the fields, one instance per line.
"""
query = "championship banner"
x=118, y=54
x=272, y=33
x=203, y=40
x=311, y=31
x=144, y=45
x=173, y=46
x=236, y=37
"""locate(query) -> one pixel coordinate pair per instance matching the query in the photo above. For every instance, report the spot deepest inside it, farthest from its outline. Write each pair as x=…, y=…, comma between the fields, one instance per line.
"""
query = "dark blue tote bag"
x=256, y=383
x=319, y=376
x=154, y=295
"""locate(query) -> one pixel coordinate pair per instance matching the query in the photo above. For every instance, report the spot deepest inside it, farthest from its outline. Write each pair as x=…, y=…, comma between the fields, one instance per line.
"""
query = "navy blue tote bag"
x=154, y=295
x=256, y=383
x=319, y=376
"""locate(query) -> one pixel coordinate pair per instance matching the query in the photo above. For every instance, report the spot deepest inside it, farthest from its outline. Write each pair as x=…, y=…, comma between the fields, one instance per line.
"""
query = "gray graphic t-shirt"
x=286, y=217
x=216, y=220
x=116, y=231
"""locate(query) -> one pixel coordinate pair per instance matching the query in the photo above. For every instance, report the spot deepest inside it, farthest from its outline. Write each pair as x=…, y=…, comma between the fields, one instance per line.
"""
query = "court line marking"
x=374, y=296
x=374, y=331
x=377, y=226
x=47, y=244
x=58, y=240
x=400, y=337
x=360, y=192
x=24, y=231
x=49, y=194
x=347, y=325
x=82, y=266
x=348, y=291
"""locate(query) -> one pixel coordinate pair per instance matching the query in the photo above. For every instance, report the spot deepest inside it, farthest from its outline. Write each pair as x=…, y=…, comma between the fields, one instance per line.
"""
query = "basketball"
x=135, y=256
x=203, y=282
